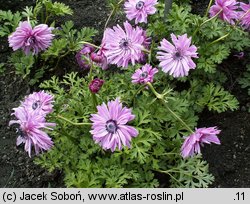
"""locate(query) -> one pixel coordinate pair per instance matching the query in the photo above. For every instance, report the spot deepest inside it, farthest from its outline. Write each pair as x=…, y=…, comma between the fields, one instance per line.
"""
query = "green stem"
x=73, y=123
x=210, y=19
x=219, y=39
x=59, y=58
x=208, y=8
x=232, y=28
x=161, y=98
x=178, y=118
x=94, y=99
x=167, y=172
x=88, y=43
x=146, y=51
x=112, y=13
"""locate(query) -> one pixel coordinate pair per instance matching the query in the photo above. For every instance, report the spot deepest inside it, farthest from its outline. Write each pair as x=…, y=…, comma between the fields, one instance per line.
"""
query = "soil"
x=229, y=162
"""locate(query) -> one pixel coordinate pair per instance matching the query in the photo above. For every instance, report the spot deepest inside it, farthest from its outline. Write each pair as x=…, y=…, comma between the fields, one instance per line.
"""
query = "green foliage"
x=69, y=40
x=23, y=63
x=245, y=80
x=56, y=8
x=217, y=99
x=8, y=22
x=196, y=175
x=162, y=122
x=156, y=147
x=2, y=68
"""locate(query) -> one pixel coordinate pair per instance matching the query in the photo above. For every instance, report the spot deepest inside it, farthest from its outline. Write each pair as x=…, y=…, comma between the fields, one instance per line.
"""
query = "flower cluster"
x=31, y=119
x=31, y=39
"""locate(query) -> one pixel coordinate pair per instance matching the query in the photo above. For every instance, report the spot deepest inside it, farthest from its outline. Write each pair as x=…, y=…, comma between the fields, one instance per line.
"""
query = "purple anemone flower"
x=192, y=143
x=83, y=56
x=100, y=59
x=40, y=102
x=31, y=130
x=139, y=9
x=144, y=74
x=31, y=40
x=123, y=46
x=176, y=59
x=245, y=15
x=110, y=128
x=228, y=10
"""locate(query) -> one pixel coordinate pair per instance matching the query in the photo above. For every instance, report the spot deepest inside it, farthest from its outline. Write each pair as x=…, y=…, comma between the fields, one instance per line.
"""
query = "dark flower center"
x=177, y=55
x=21, y=132
x=124, y=43
x=31, y=40
x=36, y=104
x=111, y=126
x=144, y=75
x=139, y=5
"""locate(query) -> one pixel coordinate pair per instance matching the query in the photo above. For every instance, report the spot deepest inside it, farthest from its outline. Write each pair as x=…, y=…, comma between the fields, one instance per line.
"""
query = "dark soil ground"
x=229, y=162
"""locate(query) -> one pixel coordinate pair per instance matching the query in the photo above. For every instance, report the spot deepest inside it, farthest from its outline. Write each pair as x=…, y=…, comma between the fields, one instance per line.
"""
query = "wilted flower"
x=95, y=85
x=31, y=130
x=83, y=56
x=40, y=102
x=100, y=59
x=109, y=127
x=245, y=15
x=140, y=9
x=123, y=46
x=144, y=74
x=227, y=8
x=176, y=59
x=31, y=40
x=192, y=143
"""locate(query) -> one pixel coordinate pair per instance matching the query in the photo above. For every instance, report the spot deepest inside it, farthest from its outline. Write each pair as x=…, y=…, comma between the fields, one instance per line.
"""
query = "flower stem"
x=178, y=118
x=208, y=8
x=73, y=123
x=146, y=51
x=88, y=43
x=232, y=28
x=161, y=98
x=94, y=99
x=112, y=13
x=210, y=19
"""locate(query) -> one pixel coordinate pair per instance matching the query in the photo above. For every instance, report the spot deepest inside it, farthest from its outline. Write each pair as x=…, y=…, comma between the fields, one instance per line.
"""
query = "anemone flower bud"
x=82, y=57
x=96, y=85
x=95, y=57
